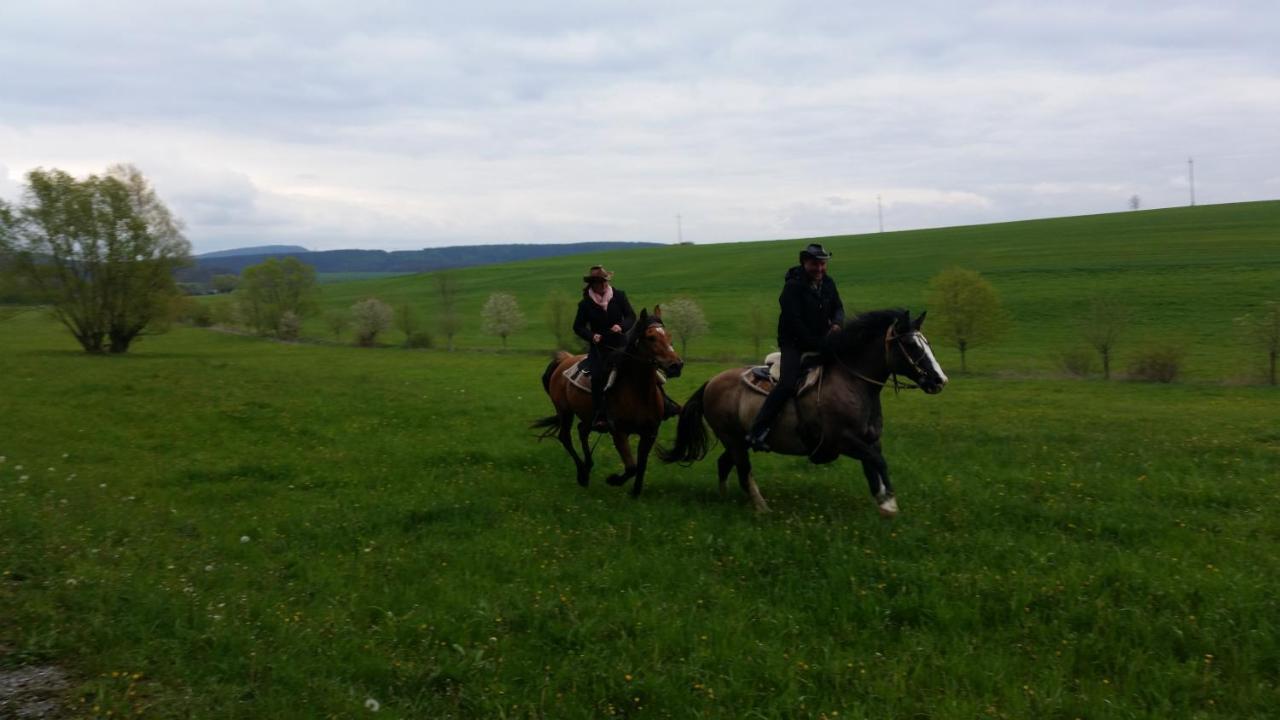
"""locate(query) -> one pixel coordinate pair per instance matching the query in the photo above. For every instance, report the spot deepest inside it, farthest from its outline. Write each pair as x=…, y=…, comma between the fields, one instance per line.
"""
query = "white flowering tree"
x=368, y=318
x=685, y=319
x=502, y=316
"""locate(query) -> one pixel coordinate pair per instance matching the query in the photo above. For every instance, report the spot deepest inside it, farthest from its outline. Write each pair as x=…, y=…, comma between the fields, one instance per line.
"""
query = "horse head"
x=908, y=353
x=649, y=340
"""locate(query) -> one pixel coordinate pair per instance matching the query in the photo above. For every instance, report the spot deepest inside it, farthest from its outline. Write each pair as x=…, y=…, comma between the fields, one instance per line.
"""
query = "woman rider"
x=604, y=317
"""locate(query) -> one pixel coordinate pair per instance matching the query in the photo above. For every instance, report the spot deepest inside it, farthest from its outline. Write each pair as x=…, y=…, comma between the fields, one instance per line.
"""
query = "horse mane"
x=865, y=328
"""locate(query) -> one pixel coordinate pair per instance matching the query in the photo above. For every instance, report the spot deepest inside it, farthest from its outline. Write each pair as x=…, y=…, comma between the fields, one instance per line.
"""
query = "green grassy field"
x=223, y=526
x=1184, y=274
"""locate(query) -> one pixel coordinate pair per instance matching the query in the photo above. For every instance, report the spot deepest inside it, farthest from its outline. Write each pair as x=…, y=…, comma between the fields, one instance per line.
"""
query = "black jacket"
x=807, y=312
x=594, y=319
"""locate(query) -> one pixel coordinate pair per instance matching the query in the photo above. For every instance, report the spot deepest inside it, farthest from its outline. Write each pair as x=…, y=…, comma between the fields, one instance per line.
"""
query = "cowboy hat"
x=597, y=272
x=814, y=251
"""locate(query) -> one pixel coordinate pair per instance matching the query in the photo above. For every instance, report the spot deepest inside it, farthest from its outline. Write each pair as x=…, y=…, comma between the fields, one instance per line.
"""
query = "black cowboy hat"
x=597, y=272
x=814, y=251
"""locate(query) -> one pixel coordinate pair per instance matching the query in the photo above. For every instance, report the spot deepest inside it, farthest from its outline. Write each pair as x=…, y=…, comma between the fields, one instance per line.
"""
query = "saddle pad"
x=578, y=376
x=758, y=378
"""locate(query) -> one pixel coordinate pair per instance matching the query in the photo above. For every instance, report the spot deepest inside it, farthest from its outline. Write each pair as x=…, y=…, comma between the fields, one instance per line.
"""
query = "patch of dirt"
x=32, y=692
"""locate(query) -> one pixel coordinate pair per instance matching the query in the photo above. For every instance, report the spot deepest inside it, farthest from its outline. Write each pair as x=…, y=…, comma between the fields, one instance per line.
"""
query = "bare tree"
x=968, y=310
x=337, y=321
x=685, y=319
x=559, y=317
x=101, y=250
x=1135, y=202
x=370, y=317
x=1262, y=330
x=450, y=320
x=1104, y=323
x=406, y=320
x=502, y=316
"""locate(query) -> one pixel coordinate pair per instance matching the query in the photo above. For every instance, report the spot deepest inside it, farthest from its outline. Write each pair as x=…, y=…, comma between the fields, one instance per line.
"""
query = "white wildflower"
x=244, y=538
x=372, y=705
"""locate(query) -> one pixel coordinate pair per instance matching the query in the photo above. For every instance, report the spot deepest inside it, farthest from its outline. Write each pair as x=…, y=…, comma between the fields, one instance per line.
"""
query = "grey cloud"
x=402, y=124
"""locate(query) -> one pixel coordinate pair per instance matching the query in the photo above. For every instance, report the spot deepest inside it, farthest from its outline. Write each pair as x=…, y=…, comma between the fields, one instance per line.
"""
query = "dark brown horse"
x=635, y=399
x=840, y=415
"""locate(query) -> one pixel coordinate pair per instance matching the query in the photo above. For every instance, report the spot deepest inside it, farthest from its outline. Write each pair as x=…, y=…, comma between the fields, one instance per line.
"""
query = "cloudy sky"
x=395, y=125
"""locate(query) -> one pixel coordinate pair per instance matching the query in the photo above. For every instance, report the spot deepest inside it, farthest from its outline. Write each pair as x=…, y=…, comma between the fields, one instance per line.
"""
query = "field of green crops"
x=217, y=525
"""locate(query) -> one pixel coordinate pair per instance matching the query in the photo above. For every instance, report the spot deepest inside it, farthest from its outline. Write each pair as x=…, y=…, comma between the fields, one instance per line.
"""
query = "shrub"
x=1077, y=361
x=290, y=326
x=1157, y=364
x=419, y=339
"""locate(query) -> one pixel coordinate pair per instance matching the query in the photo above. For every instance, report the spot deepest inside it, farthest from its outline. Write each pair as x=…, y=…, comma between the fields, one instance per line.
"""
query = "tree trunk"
x=1273, y=367
x=963, y=366
x=1106, y=364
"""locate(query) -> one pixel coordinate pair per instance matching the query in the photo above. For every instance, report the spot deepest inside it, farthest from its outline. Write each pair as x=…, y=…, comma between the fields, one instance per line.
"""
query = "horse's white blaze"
x=933, y=361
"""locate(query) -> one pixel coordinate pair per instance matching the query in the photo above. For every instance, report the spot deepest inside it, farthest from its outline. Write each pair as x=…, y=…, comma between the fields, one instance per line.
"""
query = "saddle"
x=763, y=378
x=579, y=375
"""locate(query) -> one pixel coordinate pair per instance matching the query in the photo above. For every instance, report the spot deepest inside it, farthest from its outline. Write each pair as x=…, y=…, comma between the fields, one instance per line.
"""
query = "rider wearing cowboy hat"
x=604, y=317
x=811, y=310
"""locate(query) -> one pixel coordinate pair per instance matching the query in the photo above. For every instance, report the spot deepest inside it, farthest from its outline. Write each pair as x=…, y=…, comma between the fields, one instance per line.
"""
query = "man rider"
x=811, y=310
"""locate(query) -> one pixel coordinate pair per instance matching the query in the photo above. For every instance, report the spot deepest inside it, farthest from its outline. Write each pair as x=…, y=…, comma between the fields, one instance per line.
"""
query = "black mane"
x=865, y=328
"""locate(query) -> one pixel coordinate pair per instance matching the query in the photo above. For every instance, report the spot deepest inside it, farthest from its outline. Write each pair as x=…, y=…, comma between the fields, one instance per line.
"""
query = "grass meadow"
x=1183, y=274
x=224, y=526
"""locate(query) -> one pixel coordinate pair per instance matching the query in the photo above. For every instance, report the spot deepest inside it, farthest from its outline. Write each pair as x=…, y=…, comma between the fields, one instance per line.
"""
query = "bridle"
x=652, y=360
x=890, y=339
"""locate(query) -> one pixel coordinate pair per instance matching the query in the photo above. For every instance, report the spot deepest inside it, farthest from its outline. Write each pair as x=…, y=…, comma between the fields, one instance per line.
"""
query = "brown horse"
x=841, y=415
x=635, y=399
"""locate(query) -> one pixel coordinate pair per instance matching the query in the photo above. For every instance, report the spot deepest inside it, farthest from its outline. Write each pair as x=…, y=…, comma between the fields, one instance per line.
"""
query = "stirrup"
x=757, y=442
x=600, y=423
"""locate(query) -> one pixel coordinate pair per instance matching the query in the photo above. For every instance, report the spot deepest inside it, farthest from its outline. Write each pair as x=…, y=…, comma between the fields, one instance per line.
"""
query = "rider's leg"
x=788, y=376
x=599, y=376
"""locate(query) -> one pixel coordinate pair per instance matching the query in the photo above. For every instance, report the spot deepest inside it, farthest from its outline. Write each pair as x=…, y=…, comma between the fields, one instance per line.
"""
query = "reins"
x=898, y=385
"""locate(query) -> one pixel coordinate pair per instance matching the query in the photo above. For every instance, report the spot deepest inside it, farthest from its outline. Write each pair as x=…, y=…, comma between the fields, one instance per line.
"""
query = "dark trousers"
x=597, y=361
x=789, y=376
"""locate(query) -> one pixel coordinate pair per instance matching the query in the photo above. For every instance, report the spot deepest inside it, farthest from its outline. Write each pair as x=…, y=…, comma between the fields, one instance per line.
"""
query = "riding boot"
x=670, y=408
x=759, y=431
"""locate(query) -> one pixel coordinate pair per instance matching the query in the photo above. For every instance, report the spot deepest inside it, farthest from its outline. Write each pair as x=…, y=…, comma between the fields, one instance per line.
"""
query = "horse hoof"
x=889, y=508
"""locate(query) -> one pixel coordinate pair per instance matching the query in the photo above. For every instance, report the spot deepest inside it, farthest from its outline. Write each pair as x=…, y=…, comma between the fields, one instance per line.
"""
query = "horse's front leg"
x=876, y=469
x=646, y=444
x=584, y=467
x=623, y=445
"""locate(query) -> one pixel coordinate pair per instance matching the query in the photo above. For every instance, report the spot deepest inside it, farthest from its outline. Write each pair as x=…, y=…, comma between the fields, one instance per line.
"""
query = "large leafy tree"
x=101, y=251
x=965, y=310
x=273, y=288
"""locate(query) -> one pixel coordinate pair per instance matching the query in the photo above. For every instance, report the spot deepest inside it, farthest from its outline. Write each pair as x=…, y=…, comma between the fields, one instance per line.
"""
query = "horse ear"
x=657, y=312
x=904, y=321
x=920, y=320
x=644, y=317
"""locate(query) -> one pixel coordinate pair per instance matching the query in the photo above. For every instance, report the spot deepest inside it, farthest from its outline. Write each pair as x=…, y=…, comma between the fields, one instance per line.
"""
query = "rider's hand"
x=616, y=328
x=596, y=338
x=834, y=328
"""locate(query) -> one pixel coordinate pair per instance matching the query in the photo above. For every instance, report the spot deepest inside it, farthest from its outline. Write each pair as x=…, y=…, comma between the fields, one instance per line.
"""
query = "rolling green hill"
x=1184, y=272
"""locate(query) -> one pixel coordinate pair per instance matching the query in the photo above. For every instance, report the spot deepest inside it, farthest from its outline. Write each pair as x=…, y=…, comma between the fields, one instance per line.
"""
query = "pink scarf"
x=602, y=300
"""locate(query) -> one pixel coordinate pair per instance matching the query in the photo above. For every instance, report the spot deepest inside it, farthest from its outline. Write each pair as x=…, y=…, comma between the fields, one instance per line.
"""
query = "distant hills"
x=395, y=261
x=258, y=250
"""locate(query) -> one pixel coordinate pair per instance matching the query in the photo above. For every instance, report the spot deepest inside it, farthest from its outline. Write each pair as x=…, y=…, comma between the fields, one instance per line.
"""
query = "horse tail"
x=691, y=433
x=550, y=423
x=556, y=359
